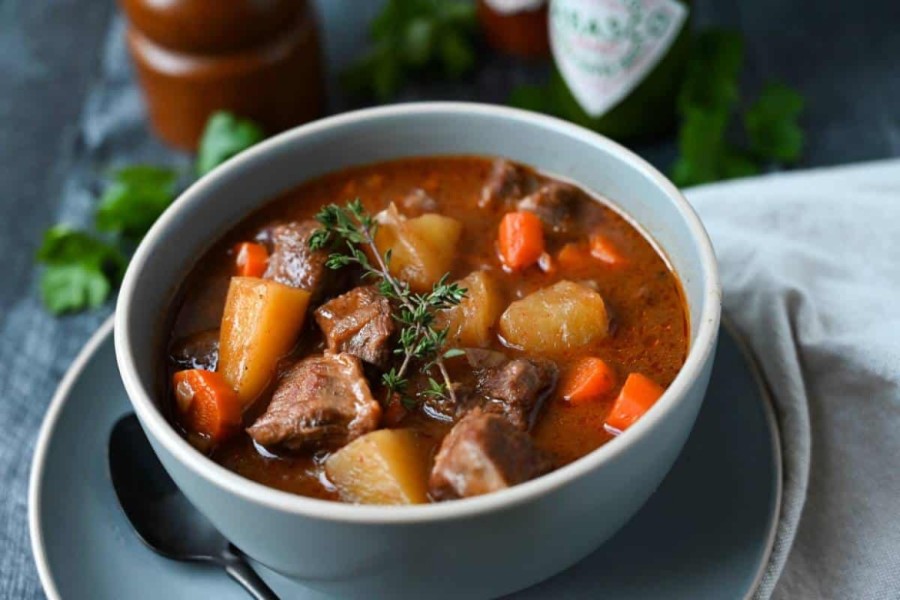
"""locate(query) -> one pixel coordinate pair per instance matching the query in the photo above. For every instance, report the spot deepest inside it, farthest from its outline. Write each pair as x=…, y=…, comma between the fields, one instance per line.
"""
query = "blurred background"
x=741, y=88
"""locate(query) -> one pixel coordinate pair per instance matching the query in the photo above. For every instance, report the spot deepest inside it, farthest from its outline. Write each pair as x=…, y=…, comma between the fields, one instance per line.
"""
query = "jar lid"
x=211, y=26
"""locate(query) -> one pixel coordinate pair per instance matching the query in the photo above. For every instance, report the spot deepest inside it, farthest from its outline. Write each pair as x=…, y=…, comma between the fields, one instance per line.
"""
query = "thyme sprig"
x=347, y=231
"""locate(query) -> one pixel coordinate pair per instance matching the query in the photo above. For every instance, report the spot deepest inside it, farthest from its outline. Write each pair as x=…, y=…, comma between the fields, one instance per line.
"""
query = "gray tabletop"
x=839, y=54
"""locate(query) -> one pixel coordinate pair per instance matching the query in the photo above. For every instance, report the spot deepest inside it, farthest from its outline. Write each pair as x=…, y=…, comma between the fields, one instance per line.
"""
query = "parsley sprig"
x=708, y=102
x=80, y=269
x=708, y=105
x=348, y=231
x=83, y=268
x=413, y=37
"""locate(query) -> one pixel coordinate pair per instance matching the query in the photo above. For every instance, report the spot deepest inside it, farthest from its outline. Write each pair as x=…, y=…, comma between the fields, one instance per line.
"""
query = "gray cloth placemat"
x=828, y=562
x=810, y=266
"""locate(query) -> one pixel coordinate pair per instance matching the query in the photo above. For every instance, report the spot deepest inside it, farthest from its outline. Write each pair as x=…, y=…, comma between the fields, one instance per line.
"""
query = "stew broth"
x=648, y=323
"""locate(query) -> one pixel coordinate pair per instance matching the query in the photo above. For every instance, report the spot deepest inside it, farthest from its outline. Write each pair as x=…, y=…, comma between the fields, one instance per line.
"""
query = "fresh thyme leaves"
x=348, y=231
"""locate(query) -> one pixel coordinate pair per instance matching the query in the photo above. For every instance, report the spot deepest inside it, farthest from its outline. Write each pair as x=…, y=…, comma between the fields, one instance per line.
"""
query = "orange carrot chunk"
x=208, y=405
x=251, y=259
x=637, y=396
x=521, y=239
x=573, y=256
x=604, y=250
x=588, y=380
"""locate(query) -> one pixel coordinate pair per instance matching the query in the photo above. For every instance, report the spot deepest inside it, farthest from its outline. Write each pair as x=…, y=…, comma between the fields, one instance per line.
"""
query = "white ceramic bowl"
x=478, y=547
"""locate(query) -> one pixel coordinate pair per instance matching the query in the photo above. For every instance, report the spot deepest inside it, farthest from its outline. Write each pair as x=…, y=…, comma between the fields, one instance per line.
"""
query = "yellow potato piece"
x=561, y=317
x=471, y=322
x=422, y=249
x=260, y=325
x=388, y=466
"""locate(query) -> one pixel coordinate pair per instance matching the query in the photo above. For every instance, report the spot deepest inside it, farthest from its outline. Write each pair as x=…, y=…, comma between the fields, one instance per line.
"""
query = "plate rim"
x=84, y=356
x=39, y=459
x=771, y=419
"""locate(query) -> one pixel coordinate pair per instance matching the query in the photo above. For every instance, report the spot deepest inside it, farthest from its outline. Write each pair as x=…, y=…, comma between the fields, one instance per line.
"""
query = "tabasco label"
x=605, y=48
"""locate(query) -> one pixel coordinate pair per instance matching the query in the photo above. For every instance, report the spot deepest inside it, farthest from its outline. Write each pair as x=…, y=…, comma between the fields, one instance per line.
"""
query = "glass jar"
x=260, y=60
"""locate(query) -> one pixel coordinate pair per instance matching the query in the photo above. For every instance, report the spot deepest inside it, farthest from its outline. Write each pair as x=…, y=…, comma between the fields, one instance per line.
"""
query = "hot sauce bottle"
x=516, y=27
x=257, y=58
x=619, y=63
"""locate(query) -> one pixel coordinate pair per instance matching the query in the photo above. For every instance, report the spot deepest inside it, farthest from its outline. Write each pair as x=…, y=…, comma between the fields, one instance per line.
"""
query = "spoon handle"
x=241, y=571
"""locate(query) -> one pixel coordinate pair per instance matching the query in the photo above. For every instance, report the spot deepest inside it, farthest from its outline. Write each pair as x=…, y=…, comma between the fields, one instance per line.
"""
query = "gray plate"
x=706, y=533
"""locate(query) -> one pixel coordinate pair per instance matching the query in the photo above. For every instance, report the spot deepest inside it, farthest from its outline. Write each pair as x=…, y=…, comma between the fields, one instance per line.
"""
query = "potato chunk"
x=422, y=249
x=261, y=323
x=470, y=323
x=388, y=466
x=561, y=317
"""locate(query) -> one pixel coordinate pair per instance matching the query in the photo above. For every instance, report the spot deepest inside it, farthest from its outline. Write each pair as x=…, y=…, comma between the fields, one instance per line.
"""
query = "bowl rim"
x=158, y=427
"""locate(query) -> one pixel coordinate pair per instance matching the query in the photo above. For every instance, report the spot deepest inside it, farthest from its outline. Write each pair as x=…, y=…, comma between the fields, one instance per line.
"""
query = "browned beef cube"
x=506, y=182
x=484, y=453
x=197, y=351
x=359, y=323
x=321, y=402
x=517, y=388
x=490, y=380
x=291, y=261
x=555, y=203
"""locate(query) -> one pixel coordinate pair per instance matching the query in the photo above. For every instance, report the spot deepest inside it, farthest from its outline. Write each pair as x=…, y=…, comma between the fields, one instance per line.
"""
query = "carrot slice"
x=251, y=259
x=637, y=396
x=573, y=256
x=589, y=379
x=521, y=239
x=208, y=405
x=604, y=250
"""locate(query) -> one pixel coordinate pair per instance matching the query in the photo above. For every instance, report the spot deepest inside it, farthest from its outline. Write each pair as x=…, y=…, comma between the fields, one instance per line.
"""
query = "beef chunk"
x=505, y=182
x=291, y=261
x=492, y=382
x=555, y=203
x=517, y=388
x=484, y=453
x=197, y=351
x=358, y=323
x=322, y=401
x=482, y=358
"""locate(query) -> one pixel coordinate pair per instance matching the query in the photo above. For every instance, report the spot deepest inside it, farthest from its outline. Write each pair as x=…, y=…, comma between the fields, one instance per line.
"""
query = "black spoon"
x=162, y=516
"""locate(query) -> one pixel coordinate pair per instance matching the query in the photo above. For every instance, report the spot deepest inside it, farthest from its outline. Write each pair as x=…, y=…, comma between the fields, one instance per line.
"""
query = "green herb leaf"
x=531, y=97
x=457, y=54
x=225, y=136
x=418, y=41
x=712, y=74
x=771, y=124
x=80, y=270
x=707, y=104
x=135, y=198
x=409, y=37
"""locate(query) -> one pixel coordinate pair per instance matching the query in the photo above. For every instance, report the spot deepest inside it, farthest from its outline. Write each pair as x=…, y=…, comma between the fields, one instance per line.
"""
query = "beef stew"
x=561, y=302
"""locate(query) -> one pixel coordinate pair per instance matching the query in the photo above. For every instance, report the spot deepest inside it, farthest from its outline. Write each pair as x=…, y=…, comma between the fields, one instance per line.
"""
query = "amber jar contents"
x=516, y=27
x=258, y=59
